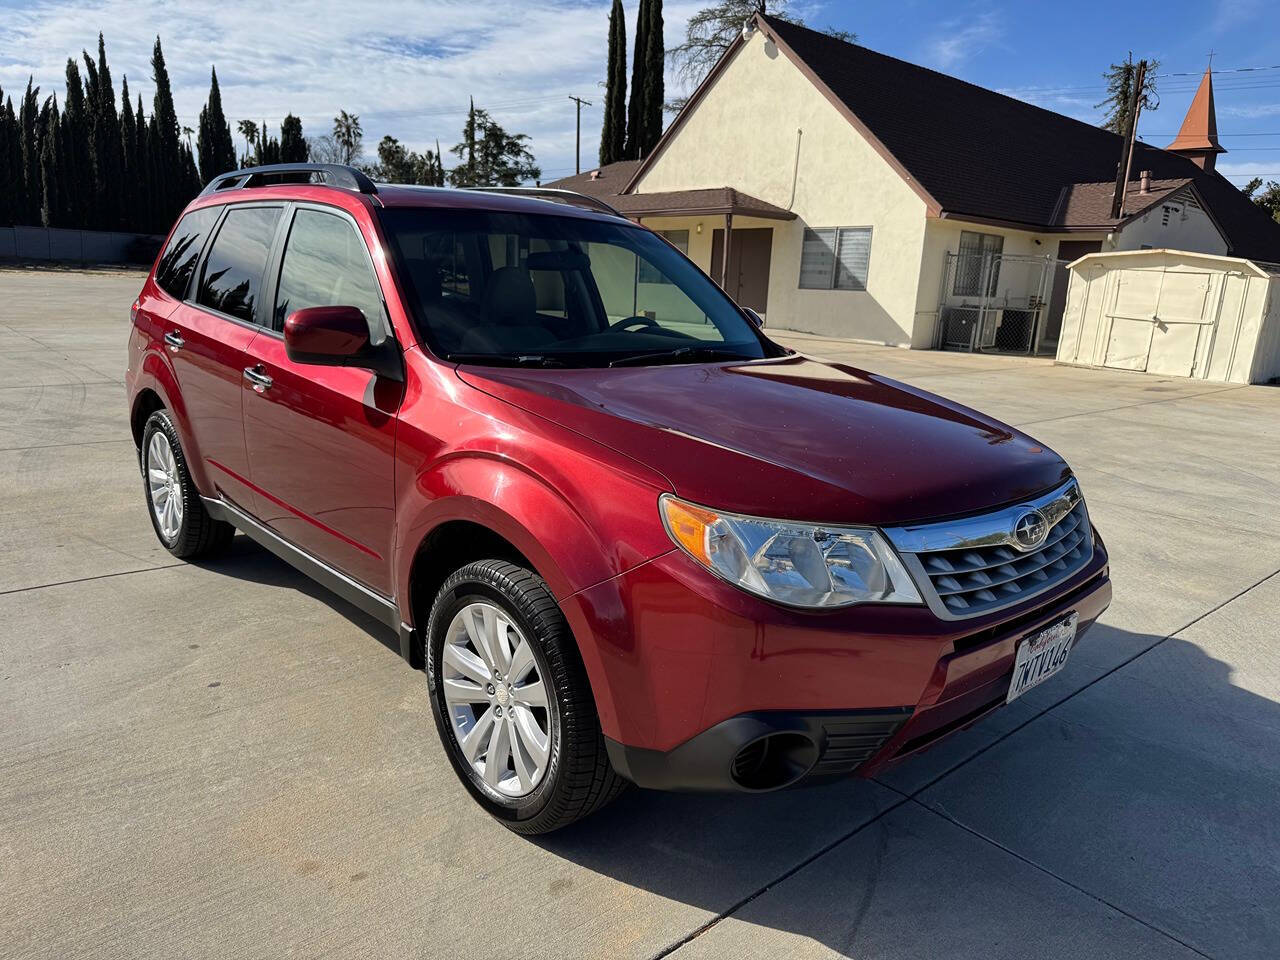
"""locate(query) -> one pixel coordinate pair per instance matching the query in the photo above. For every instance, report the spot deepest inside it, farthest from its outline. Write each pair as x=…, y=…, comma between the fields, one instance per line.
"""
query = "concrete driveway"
x=224, y=761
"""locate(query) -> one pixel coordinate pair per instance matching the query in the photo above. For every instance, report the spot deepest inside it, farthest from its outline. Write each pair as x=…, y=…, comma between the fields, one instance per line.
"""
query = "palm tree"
x=249, y=130
x=348, y=135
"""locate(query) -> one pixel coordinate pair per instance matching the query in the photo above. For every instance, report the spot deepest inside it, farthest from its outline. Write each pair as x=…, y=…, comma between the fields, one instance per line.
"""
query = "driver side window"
x=326, y=265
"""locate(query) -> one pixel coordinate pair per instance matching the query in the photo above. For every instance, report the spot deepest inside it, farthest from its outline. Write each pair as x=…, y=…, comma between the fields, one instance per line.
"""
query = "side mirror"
x=754, y=317
x=339, y=337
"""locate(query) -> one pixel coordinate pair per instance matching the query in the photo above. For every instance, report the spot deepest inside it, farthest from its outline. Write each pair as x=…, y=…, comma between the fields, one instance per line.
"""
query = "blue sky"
x=408, y=68
x=1054, y=54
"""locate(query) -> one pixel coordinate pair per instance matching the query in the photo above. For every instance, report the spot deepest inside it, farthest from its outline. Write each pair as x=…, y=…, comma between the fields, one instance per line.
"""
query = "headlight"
x=794, y=563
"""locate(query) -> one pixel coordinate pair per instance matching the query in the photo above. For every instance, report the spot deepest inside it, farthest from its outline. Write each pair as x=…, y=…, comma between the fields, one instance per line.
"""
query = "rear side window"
x=178, y=261
x=326, y=265
x=233, y=271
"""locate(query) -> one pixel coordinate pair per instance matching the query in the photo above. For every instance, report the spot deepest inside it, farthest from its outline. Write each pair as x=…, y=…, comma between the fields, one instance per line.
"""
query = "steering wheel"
x=626, y=323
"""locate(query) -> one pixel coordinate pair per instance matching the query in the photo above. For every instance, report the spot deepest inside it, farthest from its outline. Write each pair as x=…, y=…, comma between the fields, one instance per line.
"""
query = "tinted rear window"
x=178, y=261
x=233, y=271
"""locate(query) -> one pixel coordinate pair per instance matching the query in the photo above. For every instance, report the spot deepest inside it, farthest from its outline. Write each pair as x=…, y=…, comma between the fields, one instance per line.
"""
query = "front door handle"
x=174, y=339
x=258, y=377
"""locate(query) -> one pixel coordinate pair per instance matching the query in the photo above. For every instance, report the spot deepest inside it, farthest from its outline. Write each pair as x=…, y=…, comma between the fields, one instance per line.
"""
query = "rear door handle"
x=174, y=339
x=258, y=377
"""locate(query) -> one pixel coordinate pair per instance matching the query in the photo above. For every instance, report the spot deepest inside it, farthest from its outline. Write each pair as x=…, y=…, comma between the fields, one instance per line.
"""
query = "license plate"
x=1041, y=655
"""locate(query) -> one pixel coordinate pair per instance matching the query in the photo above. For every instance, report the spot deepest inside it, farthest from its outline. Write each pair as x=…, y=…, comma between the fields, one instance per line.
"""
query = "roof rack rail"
x=333, y=174
x=570, y=197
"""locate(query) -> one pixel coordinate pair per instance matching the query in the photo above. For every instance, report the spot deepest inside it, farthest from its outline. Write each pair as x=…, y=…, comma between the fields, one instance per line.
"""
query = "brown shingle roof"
x=983, y=154
x=605, y=182
x=1089, y=204
x=709, y=201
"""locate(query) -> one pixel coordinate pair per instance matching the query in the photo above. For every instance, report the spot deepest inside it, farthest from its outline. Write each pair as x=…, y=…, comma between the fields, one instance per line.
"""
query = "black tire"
x=579, y=779
x=198, y=534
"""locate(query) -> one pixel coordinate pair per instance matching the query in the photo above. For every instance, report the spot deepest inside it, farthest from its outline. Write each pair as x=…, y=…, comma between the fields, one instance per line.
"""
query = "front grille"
x=972, y=565
x=973, y=580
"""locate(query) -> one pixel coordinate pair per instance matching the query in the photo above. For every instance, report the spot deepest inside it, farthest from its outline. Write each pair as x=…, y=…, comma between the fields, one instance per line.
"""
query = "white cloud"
x=1244, y=169
x=406, y=69
x=960, y=39
x=1251, y=111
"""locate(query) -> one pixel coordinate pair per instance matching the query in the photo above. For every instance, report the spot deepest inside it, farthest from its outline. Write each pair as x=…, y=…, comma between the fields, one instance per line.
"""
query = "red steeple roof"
x=1199, y=133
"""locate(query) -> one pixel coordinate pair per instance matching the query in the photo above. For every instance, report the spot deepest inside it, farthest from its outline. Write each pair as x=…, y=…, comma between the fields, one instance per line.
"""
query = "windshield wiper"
x=678, y=354
x=507, y=360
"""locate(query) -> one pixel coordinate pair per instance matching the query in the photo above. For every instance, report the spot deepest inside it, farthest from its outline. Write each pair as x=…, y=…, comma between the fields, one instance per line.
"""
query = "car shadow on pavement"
x=1154, y=792
x=1138, y=815
x=246, y=560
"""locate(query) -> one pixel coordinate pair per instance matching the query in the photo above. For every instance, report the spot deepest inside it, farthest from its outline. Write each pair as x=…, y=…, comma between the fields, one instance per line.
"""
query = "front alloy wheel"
x=512, y=702
x=497, y=699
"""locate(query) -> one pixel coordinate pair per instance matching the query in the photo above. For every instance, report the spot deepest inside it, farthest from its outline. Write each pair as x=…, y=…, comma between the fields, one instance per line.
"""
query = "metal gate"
x=996, y=302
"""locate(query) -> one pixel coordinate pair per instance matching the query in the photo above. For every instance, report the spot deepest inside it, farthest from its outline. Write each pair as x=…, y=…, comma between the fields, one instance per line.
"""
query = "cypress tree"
x=18, y=197
x=145, y=180
x=654, y=94
x=168, y=186
x=28, y=124
x=293, y=146
x=469, y=140
x=216, y=149
x=129, y=161
x=639, y=69
x=8, y=176
x=51, y=203
x=75, y=190
x=106, y=149
x=613, y=138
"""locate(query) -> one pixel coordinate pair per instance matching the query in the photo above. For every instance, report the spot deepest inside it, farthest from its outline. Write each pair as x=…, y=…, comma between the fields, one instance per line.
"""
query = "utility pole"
x=1126, y=151
x=577, y=150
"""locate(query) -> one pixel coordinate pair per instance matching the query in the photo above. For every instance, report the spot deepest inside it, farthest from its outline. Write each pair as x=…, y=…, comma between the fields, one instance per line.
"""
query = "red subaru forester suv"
x=629, y=538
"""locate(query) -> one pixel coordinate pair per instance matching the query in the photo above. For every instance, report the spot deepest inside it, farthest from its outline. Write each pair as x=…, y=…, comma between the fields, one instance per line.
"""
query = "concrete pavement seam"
x=54, y=446
x=1045, y=870
x=781, y=878
x=1128, y=406
x=100, y=576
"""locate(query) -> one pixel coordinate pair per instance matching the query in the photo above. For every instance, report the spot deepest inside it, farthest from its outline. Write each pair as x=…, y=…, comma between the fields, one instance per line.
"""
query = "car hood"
x=794, y=437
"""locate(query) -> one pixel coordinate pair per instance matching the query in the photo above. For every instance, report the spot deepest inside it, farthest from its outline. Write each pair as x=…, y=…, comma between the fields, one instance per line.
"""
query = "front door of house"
x=747, y=280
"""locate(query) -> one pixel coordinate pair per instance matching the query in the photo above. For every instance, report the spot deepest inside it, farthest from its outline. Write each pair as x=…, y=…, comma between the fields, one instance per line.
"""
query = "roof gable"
x=987, y=155
x=974, y=153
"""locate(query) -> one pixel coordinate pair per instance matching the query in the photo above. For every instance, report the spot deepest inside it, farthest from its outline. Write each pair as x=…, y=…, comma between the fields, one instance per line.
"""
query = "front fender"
x=573, y=538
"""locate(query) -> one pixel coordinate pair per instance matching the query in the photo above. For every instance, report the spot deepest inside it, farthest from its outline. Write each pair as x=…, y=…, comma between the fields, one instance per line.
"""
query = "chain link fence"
x=999, y=303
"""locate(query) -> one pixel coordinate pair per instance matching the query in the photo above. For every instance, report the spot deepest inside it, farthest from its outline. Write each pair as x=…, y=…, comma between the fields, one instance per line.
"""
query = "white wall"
x=743, y=134
x=943, y=237
x=1175, y=225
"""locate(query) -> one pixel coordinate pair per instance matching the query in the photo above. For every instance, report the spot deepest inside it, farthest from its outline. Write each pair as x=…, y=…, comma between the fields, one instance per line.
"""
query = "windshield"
x=545, y=290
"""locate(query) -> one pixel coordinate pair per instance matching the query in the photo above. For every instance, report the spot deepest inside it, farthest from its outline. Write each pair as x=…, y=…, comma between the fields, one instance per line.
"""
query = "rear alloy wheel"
x=512, y=702
x=177, y=512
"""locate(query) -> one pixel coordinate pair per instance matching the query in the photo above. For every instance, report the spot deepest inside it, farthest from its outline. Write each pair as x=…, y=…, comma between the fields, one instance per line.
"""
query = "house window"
x=979, y=252
x=835, y=258
x=651, y=274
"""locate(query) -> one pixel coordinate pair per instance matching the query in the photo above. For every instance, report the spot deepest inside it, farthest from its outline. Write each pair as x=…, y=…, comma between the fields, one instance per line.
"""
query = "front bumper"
x=701, y=686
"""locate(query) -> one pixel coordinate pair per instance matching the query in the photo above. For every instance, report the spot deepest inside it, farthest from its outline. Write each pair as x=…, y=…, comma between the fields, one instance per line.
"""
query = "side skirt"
x=382, y=608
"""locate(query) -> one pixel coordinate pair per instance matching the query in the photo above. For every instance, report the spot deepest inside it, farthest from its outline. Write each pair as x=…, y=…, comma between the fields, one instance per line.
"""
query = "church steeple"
x=1198, y=138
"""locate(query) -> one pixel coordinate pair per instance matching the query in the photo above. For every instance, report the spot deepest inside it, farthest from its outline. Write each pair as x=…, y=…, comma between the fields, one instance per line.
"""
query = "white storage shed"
x=1174, y=313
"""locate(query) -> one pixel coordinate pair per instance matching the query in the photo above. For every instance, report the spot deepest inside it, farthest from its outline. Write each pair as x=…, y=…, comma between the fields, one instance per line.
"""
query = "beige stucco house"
x=869, y=198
